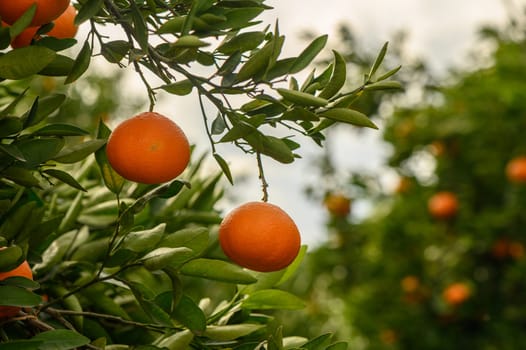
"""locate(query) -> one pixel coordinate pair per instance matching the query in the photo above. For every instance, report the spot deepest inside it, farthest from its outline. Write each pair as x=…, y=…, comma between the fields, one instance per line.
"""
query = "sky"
x=442, y=32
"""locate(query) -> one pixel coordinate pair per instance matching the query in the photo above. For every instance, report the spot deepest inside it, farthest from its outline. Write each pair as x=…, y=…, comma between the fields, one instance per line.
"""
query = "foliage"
x=388, y=272
x=120, y=264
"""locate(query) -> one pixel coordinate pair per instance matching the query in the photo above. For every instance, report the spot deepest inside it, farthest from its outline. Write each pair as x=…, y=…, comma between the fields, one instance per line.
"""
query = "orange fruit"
x=259, y=236
x=410, y=284
x=404, y=184
x=22, y=270
x=338, y=204
x=516, y=170
x=64, y=28
x=47, y=10
x=148, y=148
x=443, y=205
x=456, y=293
x=24, y=39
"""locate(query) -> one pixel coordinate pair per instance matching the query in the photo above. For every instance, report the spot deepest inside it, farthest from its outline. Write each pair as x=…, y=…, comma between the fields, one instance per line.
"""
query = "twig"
x=264, y=183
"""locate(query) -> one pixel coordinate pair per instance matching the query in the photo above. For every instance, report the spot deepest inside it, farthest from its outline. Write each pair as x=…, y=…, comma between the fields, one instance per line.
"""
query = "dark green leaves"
x=24, y=62
x=81, y=63
x=349, y=116
x=308, y=54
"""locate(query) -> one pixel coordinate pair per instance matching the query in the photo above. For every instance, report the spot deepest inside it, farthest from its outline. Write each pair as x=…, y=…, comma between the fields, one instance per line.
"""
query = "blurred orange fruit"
x=456, y=293
x=516, y=170
x=338, y=204
x=443, y=205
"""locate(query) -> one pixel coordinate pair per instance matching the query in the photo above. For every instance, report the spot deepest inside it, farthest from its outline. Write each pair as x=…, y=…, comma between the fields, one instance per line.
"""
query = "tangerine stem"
x=264, y=183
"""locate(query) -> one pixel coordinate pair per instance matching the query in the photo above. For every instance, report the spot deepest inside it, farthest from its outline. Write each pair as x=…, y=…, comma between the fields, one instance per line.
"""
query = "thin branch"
x=264, y=183
x=153, y=327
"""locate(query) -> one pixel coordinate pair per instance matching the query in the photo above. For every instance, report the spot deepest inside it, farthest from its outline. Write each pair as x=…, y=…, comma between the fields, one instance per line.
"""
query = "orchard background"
x=117, y=264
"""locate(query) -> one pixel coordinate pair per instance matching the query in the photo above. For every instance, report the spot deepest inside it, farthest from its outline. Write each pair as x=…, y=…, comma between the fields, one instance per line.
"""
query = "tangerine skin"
x=23, y=270
x=443, y=205
x=260, y=236
x=148, y=148
x=516, y=170
x=47, y=10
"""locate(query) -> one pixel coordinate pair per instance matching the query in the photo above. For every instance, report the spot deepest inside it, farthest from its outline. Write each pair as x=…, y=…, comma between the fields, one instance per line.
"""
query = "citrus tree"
x=439, y=262
x=120, y=228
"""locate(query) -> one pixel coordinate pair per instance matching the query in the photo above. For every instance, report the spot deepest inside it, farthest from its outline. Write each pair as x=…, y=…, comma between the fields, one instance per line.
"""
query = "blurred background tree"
x=426, y=272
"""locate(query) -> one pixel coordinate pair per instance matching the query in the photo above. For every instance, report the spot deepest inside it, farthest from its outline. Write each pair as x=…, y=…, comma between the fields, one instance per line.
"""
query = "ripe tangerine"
x=47, y=10
x=63, y=28
x=260, y=236
x=516, y=170
x=456, y=293
x=148, y=148
x=443, y=205
x=338, y=204
x=23, y=270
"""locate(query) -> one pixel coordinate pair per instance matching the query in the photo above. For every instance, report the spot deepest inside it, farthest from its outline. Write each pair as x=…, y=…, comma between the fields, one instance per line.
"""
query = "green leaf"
x=308, y=55
x=389, y=73
x=239, y=130
x=145, y=298
x=189, y=41
x=230, y=64
x=384, y=85
x=231, y=332
x=239, y=17
x=272, y=299
x=60, y=339
x=293, y=267
x=10, y=258
x=242, y=42
x=87, y=10
x=39, y=150
x=81, y=63
x=23, y=21
x=189, y=314
x=17, y=296
x=21, y=345
x=298, y=113
x=302, y=98
x=21, y=176
x=177, y=341
x=59, y=129
x=349, y=116
x=318, y=342
x=140, y=241
x=163, y=257
x=113, y=181
x=378, y=61
x=338, y=77
x=271, y=146
x=115, y=51
x=60, y=66
x=341, y=345
x=10, y=126
x=139, y=25
x=21, y=282
x=195, y=238
x=77, y=152
x=180, y=88
x=65, y=178
x=42, y=108
x=224, y=167
x=256, y=64
x=24, y=62
x=217, y=270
